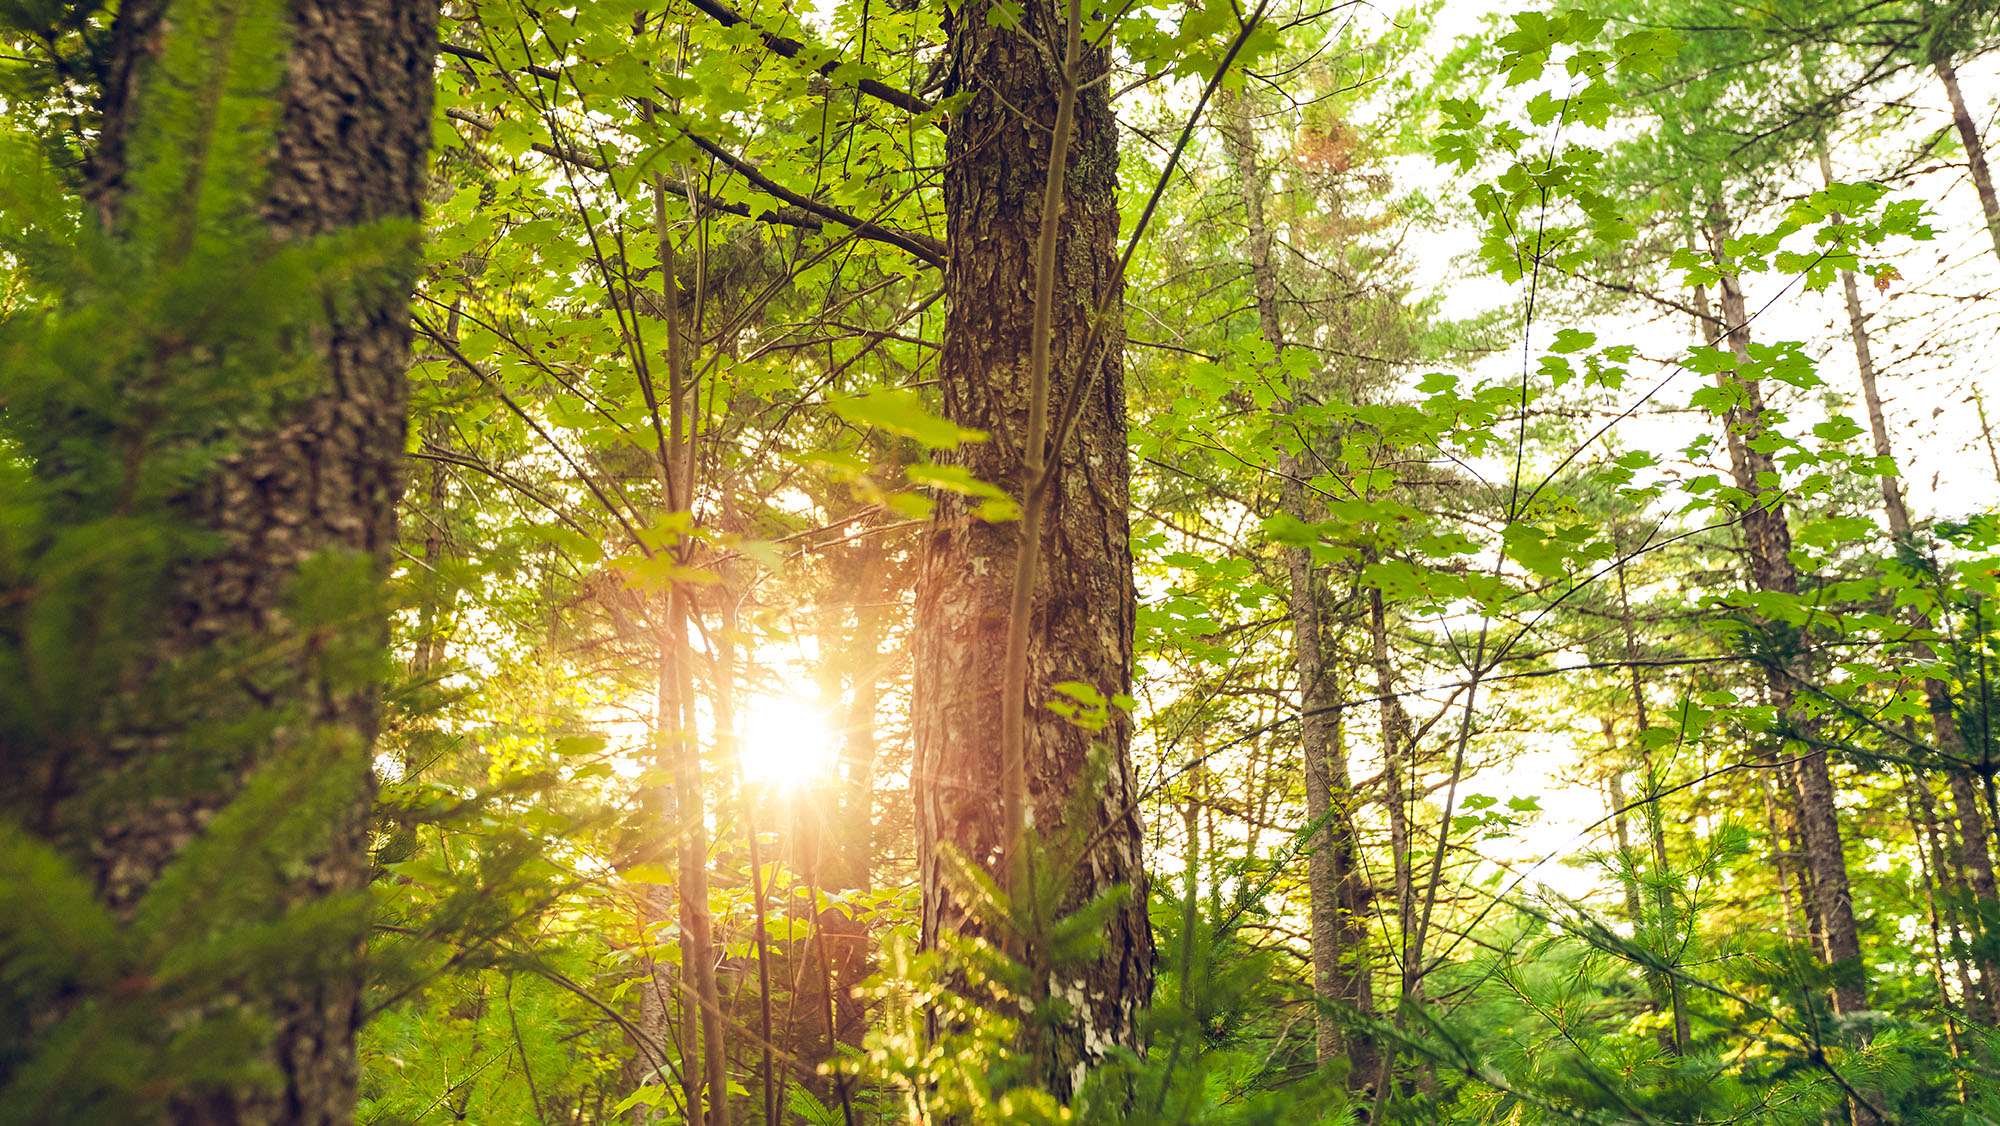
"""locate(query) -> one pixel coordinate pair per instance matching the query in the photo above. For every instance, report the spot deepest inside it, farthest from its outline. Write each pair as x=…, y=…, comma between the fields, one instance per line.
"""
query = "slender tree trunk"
x=698, y=959
x=664, y=989
x=1781, y=868
x=1864, y=366
x=1972, y=995
x=874, y=583
x=1976, y=860
x=1338, y=937
x=678, y=739
x=1986, y=434
x=1081, y=612
x=1768, y=543
x=1975, y=148
x=1655, y=818
x=849, y=865
x=1659, y=996
x=434, y=604
x=436, y=596
x=350, y=147
x=1786, y=857
x=834, y=836
x=1628, y=857
x=1975, y=856
x=1396, y=744
x=1927, y=860
x=726, y=721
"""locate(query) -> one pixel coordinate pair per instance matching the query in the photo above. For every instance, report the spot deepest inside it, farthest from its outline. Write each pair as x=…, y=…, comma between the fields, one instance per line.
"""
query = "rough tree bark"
x=1336, y=890
x=1082, y=614
x=350, y=148
x=1767, y=537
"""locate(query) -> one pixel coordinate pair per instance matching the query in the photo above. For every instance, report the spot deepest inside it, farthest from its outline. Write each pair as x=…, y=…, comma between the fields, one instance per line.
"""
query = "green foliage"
x=665, y=364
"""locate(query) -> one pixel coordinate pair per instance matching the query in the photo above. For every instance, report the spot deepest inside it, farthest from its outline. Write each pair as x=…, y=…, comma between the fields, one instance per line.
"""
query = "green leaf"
x=1573, y=340
x=902, y=412
x=648, y=1095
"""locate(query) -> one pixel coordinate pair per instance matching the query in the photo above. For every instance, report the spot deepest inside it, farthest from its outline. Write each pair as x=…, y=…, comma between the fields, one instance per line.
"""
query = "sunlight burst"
x=787, y=741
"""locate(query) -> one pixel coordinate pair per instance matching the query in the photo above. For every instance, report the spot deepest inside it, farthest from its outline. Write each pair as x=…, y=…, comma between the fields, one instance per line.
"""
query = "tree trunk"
x=681, y=744
x=1661, y=998
x=1946, y=738
x=1781, y=868
x=349, y=147
x=847, y=859
x=1986, y=434
x=1334, y=884
x=1081, y=615
x=874, y=584
x=666, y=991
x=1656, y=831
x=834, y=838
x=1767, y=539
x=1397, y=786
x=1864, y=366
x=1927, y=862
x=1975, y=149
x=1974, y=996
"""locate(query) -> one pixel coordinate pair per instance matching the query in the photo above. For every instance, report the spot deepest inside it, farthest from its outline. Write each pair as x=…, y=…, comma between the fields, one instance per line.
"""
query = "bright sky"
x=1933, y=348
x=1933, y=351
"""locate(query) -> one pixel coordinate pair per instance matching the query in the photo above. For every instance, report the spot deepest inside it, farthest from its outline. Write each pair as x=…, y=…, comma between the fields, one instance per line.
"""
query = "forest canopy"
x=1008, y=561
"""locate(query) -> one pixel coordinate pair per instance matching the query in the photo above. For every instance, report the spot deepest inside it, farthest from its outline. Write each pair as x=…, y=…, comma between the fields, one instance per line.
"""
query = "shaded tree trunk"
x=1781, y=852
x=1398, y=775
x=834, y=837
x=319, y=481
x=1656, y=832
x=1082, y=611
x=680, y=744
x=1933, y=878
x=1767, y=539
x=1662, y=999
x=1975, y=996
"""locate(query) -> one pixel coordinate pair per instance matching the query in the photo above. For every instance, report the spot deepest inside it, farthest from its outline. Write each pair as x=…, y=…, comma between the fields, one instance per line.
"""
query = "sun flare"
x=787, y=741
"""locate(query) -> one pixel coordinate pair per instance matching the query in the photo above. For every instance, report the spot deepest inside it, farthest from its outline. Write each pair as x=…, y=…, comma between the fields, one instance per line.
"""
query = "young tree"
x=1336, y=888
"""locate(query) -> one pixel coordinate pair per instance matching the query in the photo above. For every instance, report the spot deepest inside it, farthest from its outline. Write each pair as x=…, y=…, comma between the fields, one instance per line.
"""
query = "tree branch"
x=810, y=212
x=923, y=247
x=791, y=48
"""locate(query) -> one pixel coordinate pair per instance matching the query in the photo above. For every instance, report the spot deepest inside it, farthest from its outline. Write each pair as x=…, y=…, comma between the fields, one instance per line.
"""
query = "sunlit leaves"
x=903, y=413
x=1528, y=48
x=995, y=504
x=1572, y=340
